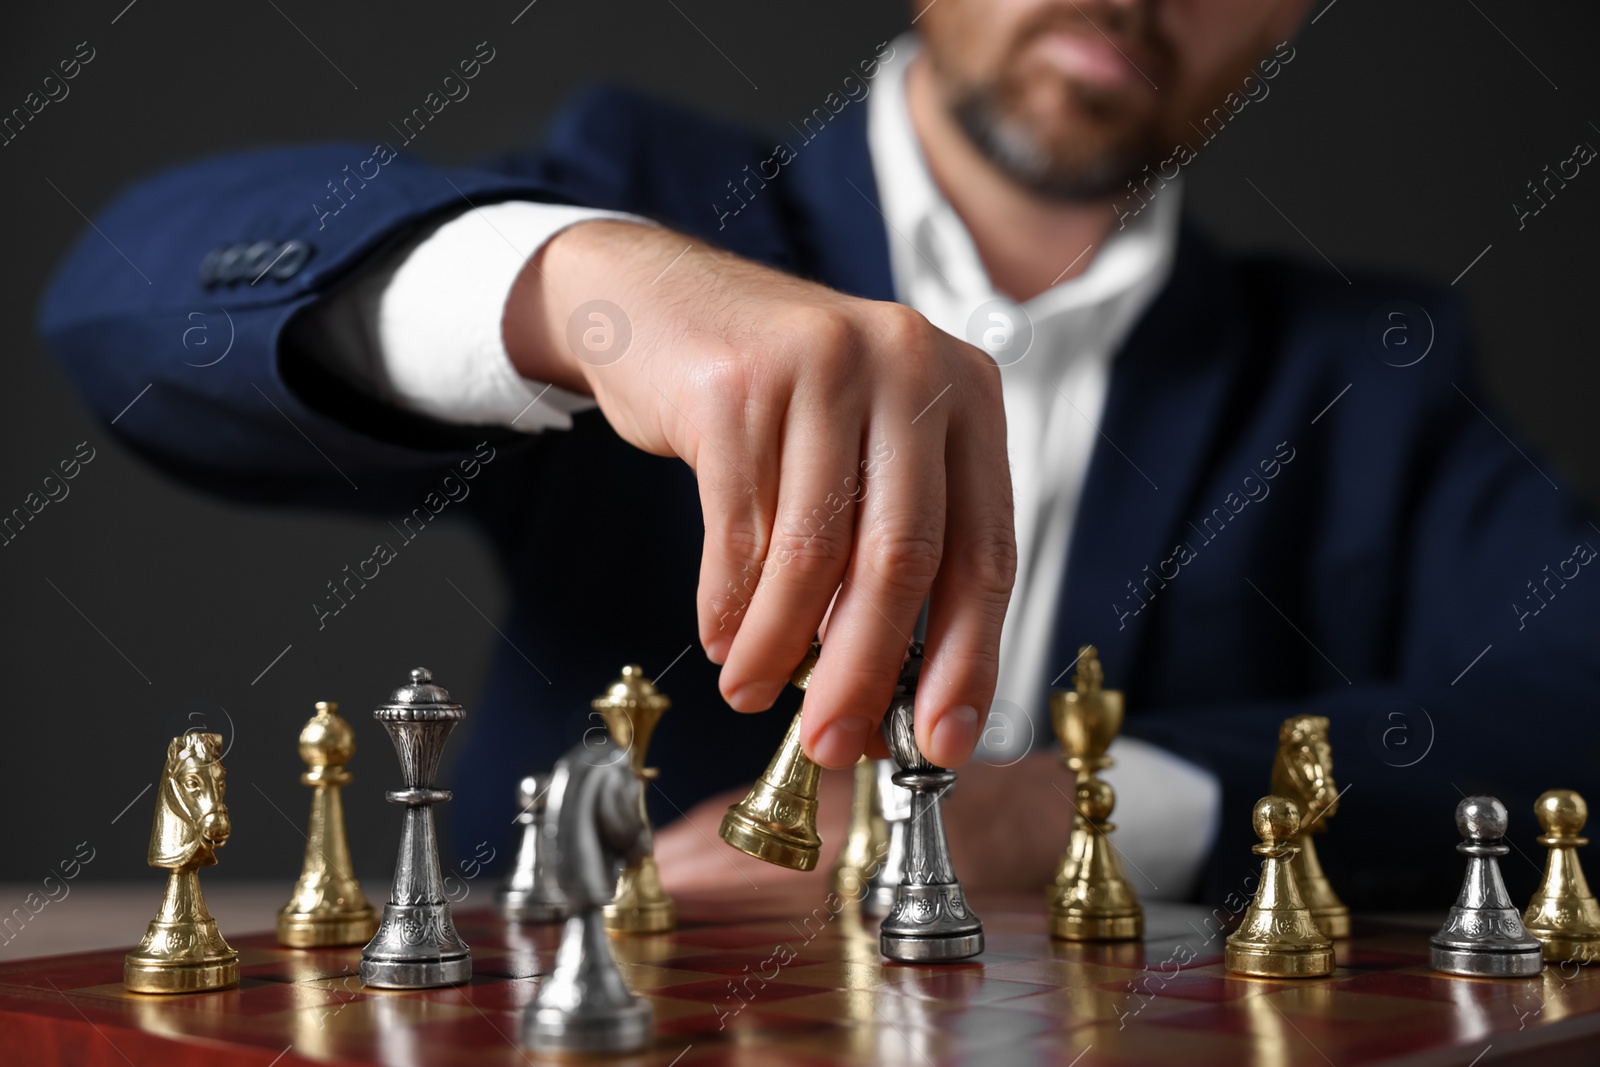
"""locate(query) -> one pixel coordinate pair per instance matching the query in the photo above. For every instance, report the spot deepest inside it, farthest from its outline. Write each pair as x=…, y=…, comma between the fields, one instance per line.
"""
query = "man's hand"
x=1008, y=827
x=851, y=461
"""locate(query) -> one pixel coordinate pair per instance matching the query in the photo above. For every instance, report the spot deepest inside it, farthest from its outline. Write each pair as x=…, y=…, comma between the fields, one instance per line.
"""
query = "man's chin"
x=1082, y=162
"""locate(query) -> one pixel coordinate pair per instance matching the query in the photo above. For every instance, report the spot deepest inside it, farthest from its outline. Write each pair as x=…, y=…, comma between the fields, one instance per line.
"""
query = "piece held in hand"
x=894, y=802
x=584, y=1005
x=930, y=922
x=182, y=952
x=528, y=893
x=1278, y=938
x=631, y=707
x=1563, y=914
x=777, y=821
x=1303, y=772
x=416, y=946
x=868, y=841
x=1091, y=898
x=327, y=906
x=1484, y=936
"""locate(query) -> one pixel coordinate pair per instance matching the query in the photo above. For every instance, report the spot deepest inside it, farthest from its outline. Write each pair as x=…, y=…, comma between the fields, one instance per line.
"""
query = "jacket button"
x=290, y=257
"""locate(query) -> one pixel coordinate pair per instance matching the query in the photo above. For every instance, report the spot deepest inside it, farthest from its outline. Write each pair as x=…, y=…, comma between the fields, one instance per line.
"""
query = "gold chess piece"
x=777, y=821
x=1303, y=772
x=631, y=707
x=327, y=906
x=1563, y=913
x=868, y=842
x=1091, y=899
x=1278, y=937
x=1098, y=904
x=182, y=952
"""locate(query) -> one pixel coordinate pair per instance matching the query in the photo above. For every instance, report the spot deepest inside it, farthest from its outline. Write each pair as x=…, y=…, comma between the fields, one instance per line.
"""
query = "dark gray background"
x=1398, y=137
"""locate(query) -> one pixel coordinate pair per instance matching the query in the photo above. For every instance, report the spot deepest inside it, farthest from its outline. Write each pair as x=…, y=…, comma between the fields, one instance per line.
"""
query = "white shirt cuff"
x=440, y=350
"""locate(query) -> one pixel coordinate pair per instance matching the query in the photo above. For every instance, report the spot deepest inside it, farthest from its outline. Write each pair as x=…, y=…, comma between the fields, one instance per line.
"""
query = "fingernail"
x=841, y=742
x=754, y=696
x=954, y=735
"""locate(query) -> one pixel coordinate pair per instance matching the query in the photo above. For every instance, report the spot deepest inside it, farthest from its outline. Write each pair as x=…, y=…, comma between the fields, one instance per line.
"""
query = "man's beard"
x=1028, y=159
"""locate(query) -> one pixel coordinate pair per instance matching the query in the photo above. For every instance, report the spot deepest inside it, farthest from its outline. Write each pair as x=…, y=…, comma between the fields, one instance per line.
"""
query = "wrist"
x=587, y=261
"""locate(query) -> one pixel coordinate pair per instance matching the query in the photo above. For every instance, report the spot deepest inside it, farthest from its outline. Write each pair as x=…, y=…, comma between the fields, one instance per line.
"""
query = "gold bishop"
x=327, y=906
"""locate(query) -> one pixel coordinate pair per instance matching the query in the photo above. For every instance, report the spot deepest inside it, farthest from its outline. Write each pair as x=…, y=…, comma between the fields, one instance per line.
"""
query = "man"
x=1219, y=477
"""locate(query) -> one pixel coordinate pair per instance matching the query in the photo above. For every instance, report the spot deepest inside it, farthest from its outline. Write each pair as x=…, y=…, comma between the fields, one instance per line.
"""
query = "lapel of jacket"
x=1164, y=409
x=832, y=197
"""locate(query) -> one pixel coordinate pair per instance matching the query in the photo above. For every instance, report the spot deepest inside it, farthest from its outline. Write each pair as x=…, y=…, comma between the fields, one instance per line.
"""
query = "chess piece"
x=1563, y=913
x=327, y=906
x=930, y=922
x=1091, y=899
x=1278, y=938
x=529, y=894
x=894, y=801
x=584, y=1006
x=868, y=841
x=631, y=707
x=182, y=952
x=416, y=946
x=1098, y=903
x=1303, y=772
x=777, y=821
x=1483, y=936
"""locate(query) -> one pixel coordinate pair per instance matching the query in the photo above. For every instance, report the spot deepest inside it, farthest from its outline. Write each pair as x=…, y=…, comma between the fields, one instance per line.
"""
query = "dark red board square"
x=716, y=991
x=734, y=963
x=969, y=986
x=736, y=937
x=1199, y=987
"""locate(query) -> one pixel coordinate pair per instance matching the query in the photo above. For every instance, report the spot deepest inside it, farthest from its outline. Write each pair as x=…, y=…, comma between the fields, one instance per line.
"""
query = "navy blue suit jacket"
x=1244, y=551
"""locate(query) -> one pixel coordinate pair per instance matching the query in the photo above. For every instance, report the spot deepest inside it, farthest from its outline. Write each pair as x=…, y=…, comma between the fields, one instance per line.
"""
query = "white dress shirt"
x=429, y=320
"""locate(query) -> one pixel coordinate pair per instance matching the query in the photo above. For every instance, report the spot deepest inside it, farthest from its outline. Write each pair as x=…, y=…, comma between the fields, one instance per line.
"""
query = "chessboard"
x=780, y=978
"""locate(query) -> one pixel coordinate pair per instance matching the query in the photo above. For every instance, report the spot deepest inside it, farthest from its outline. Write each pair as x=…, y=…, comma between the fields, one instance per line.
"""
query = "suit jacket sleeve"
x=222, y=393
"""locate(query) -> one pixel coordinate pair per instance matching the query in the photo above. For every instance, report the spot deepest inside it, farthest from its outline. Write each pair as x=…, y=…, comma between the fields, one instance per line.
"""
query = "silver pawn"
x=1484, y=936
x=931, y=922
x=895, y=800
x=529, y=893
x=594, y=815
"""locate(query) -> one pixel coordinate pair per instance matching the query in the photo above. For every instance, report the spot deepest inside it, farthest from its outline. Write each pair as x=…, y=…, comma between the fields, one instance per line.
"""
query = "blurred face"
x=1071, y=98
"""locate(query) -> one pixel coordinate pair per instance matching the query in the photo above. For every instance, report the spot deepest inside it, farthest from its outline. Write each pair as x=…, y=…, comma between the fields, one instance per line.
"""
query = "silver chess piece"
x=594, y=816
x=895, y=801
x=930, y=922
x=1484, y=936
x=416, y=946
x=529, y=893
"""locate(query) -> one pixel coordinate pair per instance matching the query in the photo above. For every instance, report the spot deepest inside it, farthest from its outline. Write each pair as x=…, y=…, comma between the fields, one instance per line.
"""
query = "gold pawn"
x=1563, y=913
x=327, y=906
x=868, y=841
x=1303, y=772
x=1090, y=899
x=182, y=950
x=631, y=708
x=1278, y=938
x=1098, y=904
x=777, y=821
